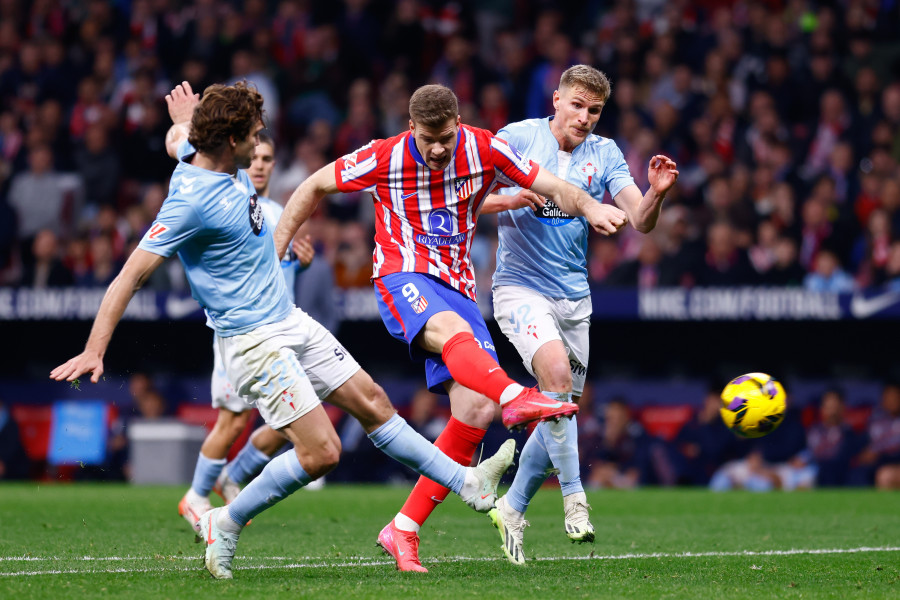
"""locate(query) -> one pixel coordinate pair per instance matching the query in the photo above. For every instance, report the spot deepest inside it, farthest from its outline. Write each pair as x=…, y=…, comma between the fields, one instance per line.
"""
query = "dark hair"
x=265, y=138
x=433, y=105
x=225, y=111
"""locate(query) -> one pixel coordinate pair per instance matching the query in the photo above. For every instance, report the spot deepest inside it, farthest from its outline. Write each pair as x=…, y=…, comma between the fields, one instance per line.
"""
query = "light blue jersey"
x=546, y=249
x=214, y=221
x=289, y=263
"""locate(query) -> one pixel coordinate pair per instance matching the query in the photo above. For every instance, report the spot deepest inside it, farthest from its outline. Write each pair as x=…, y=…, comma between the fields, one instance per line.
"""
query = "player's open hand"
x=303, y=249
x=662, y=173
x=181, y=102
x=607, y=219
x=72, y=369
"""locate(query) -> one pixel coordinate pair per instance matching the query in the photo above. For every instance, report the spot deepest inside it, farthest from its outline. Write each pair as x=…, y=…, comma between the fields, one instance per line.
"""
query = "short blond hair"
x=433, y=105
x=589, y=78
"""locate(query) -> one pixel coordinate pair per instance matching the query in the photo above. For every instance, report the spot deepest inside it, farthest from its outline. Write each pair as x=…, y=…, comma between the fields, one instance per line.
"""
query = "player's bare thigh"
x=364, y=400
x=439, y=328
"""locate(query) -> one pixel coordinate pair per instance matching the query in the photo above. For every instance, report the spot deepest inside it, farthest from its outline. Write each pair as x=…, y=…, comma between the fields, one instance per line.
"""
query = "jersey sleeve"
x=357, y=171
x=176, y=223
x=511, y=167
x=185, y=150
x=616, y=174
x=502, y=188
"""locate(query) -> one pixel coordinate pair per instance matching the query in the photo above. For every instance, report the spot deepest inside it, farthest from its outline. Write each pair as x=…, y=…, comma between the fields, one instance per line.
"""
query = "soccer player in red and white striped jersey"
x=429, y=185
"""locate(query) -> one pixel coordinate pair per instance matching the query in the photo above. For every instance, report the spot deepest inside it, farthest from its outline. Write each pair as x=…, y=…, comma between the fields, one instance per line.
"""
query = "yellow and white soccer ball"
x=753, y=405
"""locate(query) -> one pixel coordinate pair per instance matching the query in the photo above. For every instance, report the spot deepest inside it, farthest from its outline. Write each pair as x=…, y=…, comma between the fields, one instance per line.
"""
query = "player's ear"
x=412, y=126
x=555, y=99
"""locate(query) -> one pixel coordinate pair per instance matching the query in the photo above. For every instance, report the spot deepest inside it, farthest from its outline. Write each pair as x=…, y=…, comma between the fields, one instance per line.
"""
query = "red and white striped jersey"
x=424, y=219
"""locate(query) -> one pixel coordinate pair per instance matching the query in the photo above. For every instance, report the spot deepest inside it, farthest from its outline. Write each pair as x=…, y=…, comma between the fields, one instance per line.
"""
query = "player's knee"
x=369, y=403
x=230, y=425
x=557, y=377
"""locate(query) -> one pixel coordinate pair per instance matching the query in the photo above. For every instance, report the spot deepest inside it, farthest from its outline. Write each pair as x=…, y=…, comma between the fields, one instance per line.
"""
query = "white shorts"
x=223, y=394
x=286, y=367
x=529, y=319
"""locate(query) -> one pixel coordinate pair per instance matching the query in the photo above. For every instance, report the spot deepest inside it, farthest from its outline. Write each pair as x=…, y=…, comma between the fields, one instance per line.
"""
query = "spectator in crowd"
x=46, y=270
x=725, y=262
x=879, y=461
x=703, y=443
x=827, y=274
x=42, y=199
x=757, y=471
x=98, y=165
x=625, y=456
x=14, y=463
x=353, y=262
x=831, y=441
x=786, y=270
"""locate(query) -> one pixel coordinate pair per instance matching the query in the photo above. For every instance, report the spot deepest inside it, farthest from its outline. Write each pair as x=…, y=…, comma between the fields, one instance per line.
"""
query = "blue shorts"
x=407, y=300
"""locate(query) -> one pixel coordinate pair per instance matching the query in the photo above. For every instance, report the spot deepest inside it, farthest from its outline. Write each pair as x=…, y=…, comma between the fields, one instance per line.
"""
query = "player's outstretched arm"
x=643, y=211
x=497, y=203
x=134, y=273
x=301, y=205
x=181, y=102
x=604, y=218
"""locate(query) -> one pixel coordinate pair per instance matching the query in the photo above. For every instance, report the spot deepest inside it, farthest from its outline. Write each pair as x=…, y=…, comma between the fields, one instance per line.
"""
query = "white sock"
x=470, y=483
x=224, y=521
x=193, y=497
x=511, y=391
x=404, y=523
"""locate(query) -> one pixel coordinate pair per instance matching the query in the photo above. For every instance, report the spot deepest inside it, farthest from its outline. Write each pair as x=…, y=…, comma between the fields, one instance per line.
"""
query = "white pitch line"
x=318, y=562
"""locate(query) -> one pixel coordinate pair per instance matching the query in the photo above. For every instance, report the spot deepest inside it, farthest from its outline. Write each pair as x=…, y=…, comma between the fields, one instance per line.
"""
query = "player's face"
x=436, y=144
x=577, y=112
x=245, y=148
x=261, y=167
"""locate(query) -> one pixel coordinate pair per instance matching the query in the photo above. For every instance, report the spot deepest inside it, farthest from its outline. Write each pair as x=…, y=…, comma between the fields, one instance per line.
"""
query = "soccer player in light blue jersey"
x=541, y=296
x=211, y=473
x=274, y=354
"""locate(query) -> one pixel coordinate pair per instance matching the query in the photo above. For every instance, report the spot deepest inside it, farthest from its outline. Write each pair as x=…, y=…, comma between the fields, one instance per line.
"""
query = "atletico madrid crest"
x=420, y=305
x=464, y=187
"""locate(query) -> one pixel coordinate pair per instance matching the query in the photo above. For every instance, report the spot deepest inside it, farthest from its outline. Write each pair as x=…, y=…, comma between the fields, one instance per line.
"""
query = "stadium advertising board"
x=661, y=304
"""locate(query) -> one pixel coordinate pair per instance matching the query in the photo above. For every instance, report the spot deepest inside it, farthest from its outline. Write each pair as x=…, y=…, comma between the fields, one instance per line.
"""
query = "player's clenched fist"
x=607, y=219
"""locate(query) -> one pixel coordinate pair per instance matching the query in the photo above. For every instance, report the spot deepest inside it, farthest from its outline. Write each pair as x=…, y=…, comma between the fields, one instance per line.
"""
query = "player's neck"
x=264, y=192
x=564, y=144
x=220, y=163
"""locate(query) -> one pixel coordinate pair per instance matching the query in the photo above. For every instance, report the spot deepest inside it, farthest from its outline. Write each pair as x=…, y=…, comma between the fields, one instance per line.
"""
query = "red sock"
x=471, y=366
x=458, y=441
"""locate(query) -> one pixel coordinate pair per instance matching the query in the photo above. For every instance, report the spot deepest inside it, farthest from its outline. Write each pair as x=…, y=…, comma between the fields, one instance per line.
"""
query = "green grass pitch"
x=100, y=541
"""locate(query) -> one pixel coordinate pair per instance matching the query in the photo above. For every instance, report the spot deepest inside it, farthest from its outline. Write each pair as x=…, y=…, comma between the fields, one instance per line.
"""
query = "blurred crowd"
x=815, y=447
x=827, y=443
x=783, y=116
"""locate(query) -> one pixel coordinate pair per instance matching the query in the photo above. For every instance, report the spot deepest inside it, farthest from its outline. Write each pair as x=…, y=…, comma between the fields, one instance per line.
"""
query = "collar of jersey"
x=188, y=166
x=417, y=156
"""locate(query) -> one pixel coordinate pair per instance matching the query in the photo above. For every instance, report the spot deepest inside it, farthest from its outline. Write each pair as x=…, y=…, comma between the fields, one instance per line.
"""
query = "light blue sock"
x=534, y=468
x=205, y=474
x=282, y=477
x=249, y=461
x=561, y=441
x=401, y=442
